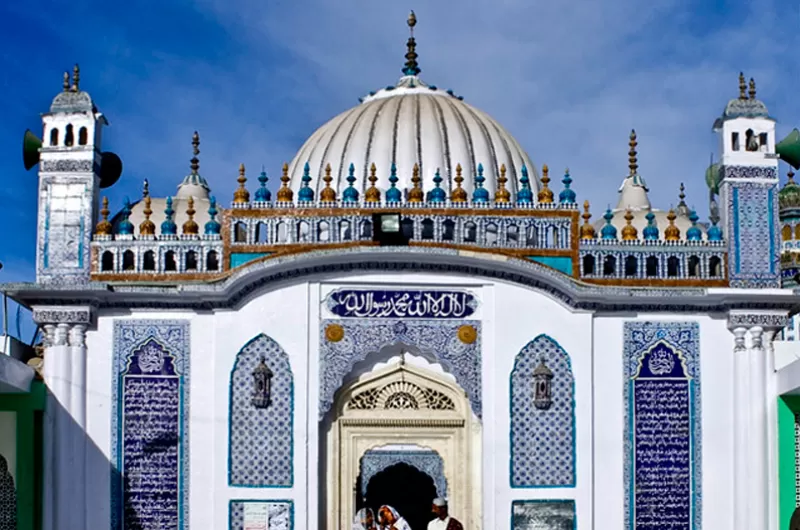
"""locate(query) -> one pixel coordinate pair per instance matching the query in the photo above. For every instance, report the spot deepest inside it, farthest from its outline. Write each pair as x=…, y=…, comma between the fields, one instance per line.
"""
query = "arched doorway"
x=407, y=489
x=410, y=406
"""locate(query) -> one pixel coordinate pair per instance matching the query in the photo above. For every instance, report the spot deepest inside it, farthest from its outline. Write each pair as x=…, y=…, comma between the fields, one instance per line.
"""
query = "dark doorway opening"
x=405, y=488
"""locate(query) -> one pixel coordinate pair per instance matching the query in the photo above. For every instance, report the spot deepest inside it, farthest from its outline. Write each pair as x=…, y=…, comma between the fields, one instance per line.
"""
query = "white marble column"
x=65, y=445
x=754, y=466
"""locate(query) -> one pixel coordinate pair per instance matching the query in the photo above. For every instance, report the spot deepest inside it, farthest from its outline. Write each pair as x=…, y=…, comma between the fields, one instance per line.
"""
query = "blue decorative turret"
x=262, y=193
x=650, y=232
x=168, y=227
x=714, y=233
x=306, y=194
x=609, y=231
x=437, y=194
x=125, y=227
x=350, y=193
x=393, y=194
x=212, y=226
x=567, y=196
x=694, y=233
x=480, y=194
x=525, y=194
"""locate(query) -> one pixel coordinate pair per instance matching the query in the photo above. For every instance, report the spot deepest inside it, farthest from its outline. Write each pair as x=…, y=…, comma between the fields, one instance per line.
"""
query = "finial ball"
x=412, y=20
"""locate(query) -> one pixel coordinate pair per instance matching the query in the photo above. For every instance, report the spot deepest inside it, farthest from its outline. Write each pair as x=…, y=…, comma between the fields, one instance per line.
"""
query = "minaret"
x=748, y=177
x=69, y=183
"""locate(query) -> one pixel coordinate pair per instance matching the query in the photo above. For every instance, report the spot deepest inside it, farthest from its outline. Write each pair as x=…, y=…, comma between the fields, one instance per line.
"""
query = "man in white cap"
x=443, y=521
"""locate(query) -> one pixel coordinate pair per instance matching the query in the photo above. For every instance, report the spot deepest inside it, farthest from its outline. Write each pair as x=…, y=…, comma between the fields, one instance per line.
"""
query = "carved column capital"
x=60, y=335
x=757, y=336
x=77, y=335
x=739, y=335
x=43, y=315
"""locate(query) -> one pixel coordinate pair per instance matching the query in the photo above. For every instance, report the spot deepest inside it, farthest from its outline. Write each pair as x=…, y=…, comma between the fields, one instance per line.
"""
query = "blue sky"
x=255, y=78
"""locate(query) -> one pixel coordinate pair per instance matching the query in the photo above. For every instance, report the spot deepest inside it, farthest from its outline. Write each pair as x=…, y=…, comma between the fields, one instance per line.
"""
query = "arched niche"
x=260, y=439
x=543, y=436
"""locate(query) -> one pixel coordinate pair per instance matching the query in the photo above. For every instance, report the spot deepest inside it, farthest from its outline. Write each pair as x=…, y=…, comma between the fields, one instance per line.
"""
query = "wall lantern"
x=542, y=386
x=262, y=387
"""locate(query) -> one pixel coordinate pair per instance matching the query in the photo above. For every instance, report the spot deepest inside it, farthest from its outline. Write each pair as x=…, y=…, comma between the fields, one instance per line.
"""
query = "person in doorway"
x=389, y=519
x=364, y=520
x=443, y=521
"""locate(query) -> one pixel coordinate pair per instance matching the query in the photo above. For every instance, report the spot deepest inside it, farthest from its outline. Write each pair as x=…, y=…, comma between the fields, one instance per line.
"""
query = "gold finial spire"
x=104, y=227
x=147, y=227
x=372, y=194
x=66, y=82
x=411, y=66
x=633, y=163
x=742, y=86
x=587, y=230
x=195, y=162
x=190, y=226
x=672, y=232
x=146, y=188
x=682, y=195
x=241, y=195
x=458, y=194
x=76, y=78
x=416, y=194
x=629, y=232
x=327, y=194
x=752, y=91
x=502, y=194
x=545, y=194
x=285, y=193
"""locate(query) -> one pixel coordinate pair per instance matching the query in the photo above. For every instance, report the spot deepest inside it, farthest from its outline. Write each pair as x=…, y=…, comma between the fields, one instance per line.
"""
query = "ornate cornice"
x=401, y=422
x=62, y=314
x=261, y=275
x=765, y=320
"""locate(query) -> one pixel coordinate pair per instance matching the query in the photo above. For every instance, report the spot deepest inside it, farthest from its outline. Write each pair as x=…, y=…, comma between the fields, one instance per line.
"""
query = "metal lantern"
x=542, y=387
x=262, y=385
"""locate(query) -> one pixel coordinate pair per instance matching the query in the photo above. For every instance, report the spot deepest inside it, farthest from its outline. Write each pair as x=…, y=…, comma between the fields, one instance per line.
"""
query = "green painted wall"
x=788, y=406
x=29, y=409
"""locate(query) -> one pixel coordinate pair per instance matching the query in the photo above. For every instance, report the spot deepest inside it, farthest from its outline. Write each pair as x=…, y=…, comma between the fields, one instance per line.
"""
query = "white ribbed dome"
x=411, y=123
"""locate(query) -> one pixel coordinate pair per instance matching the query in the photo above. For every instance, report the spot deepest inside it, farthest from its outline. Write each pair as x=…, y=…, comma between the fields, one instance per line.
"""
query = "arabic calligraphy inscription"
x=401, y=304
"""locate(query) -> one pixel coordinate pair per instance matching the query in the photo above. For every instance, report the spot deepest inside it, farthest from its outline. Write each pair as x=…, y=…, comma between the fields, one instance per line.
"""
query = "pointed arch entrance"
x=406, y=410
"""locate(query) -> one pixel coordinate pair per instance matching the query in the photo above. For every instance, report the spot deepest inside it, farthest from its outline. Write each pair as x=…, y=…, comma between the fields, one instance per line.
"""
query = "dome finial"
x=305, y=193
x=66, y=82
x=458, y=194
x=567, y=195
x=609, y=231
x=545, y=194
x=262, y=193
x=103, y=228
x=350, y=193
x=416, y=194
x=650, y=231
x=587, y=230
x=327, y=194
x=195, y=163
x=190, y=226
x=372, y=194
x=146, y=188
x=125, y=227
x=525, y=194
x=212, y=227
x=76, y=78
x=480, y=194
x=633, y=163
x=285, y=193
x=672, y=232
x=147, y=227
x=168, y=227
x=742, y=86
x=241, y=195
x=393, y=194
x=629, y=232
x=411, y=67
x=437, y=194
x=752, y=91
x=502, y=194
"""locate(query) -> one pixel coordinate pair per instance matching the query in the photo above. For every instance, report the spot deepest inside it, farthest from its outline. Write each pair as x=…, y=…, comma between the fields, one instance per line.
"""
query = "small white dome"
x=411, y=123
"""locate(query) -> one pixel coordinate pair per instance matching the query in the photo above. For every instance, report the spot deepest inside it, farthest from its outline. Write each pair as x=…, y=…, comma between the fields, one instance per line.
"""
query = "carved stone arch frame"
x=450, y=433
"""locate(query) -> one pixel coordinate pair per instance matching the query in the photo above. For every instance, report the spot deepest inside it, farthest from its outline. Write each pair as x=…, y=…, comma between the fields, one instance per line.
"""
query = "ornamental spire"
x=502, y=194
x=752, y=91
x=147, y=227
x=458, y=194
x=76, y=78
x=285, y=193
x=587, y=230
x=327, y=194
x=633, y=163
x=545, y=194
x=416, y=194
x=372, y=194
x=104, y=227
x=195, y=162
x=411, y=67
x=742, y=86
x=241, y=195
x=672, y=232
x=190, y=226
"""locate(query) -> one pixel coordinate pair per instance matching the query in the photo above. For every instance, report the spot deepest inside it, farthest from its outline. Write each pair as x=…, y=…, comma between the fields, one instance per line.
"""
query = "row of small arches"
x=591, y=266
x=534, y=236
x=190, y=261
x=69, y=136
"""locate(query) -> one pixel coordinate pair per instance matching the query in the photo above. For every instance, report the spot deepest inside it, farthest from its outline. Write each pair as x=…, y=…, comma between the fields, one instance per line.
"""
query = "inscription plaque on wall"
x=150, y=437
x=401, y=304
x=661, y=427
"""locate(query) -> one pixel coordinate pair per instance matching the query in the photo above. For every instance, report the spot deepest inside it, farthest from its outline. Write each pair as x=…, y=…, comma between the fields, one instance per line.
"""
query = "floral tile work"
x=260, y=437
x=272, y=515
x=542, y=419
